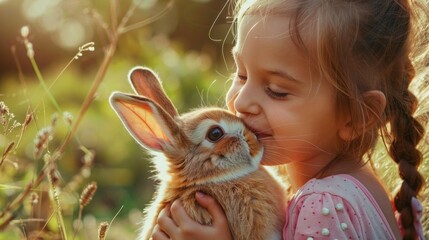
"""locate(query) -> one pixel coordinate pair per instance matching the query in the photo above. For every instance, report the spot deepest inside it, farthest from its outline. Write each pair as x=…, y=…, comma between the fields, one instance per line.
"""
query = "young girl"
x=318, y=81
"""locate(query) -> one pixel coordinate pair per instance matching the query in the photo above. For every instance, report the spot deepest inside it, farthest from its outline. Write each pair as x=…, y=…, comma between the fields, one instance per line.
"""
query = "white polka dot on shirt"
x=325, y=232
x=339, y=207
x=325, y=211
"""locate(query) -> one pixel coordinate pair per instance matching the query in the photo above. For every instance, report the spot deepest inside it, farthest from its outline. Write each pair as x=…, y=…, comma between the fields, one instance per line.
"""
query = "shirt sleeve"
x=324, y=216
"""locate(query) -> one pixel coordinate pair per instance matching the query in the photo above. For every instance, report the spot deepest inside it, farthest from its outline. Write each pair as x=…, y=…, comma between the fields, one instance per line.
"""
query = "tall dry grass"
x=41, y=194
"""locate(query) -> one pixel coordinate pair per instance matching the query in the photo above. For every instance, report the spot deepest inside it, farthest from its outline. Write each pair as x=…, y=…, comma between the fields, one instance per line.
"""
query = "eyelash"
x=275, y=95
x=271, y=93
x=241, y=78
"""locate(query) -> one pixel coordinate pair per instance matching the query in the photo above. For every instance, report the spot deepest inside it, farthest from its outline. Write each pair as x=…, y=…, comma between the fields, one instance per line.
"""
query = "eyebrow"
x=284, y=75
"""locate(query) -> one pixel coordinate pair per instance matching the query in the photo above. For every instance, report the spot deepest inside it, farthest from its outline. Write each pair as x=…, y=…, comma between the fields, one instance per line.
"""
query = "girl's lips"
x=262, y=135
x=259, y=133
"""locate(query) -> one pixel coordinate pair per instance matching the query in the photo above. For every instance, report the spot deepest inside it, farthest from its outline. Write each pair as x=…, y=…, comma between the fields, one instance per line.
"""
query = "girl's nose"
x=246, y=101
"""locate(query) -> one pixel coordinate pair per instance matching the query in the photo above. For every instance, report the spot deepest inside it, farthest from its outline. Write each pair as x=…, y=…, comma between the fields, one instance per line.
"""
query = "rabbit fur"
x=208, y=150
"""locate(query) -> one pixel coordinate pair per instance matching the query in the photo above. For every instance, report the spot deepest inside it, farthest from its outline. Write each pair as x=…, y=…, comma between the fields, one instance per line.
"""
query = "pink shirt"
x=336, y=207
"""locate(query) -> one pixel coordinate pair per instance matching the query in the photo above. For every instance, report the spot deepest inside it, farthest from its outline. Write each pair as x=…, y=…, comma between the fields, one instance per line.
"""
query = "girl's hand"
x=174, y=223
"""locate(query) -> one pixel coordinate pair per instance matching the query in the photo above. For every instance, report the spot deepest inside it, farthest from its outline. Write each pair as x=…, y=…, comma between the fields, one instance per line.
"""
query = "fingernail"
x=200, y=194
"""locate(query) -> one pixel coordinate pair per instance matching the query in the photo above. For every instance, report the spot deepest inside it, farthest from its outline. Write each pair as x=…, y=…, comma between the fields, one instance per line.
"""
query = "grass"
x=46, y=182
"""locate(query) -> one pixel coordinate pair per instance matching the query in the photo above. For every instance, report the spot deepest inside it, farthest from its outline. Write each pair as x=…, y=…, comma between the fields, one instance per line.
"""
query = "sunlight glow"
x=33, y=9
x=145, y=4
x=71, y=34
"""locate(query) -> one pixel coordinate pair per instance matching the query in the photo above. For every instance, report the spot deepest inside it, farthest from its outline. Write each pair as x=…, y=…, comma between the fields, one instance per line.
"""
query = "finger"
x=178, y=214
x=167, y=209
x=165, y=223
x=158, y=234
x=212, y=207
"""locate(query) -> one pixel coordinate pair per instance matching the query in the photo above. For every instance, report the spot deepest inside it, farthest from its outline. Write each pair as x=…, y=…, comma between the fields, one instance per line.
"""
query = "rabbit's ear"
x=146, y=83
x=145, y=120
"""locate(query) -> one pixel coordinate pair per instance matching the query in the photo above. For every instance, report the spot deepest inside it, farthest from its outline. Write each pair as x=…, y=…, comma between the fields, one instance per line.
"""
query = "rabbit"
x=208, y=150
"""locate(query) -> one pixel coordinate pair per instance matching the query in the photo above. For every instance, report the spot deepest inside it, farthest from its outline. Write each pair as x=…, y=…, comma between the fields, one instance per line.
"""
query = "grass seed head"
x=87, y=194
x=41, y=141
x=102, y=230
x=53, y=175
x=34, y=198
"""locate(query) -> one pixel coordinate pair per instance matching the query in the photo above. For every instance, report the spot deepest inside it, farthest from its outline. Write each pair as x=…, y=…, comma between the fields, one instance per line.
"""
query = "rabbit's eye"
x=215, y=134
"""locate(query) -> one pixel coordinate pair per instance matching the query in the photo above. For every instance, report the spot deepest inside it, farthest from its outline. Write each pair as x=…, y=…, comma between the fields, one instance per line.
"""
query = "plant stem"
x=18, y=200
x=108, y=56
x=59, y=214
x=42, y=82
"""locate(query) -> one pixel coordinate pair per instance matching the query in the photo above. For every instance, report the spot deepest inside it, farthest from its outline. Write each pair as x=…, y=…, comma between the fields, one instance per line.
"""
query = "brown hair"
x=360, y=46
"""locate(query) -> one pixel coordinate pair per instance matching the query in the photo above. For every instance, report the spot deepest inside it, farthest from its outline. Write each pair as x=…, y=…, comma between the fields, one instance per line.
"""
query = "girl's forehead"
x=267, y=26
x=274, y=27
x=257, y=27
x=266, y=45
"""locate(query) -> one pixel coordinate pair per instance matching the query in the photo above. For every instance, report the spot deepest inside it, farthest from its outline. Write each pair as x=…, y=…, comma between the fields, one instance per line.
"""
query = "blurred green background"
x=189, y=48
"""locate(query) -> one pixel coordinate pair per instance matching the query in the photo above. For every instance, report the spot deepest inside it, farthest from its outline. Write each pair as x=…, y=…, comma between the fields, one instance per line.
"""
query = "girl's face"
x=280, y=95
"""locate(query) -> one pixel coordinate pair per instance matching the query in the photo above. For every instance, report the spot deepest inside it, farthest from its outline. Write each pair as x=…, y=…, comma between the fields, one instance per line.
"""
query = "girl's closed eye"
x=275, y=92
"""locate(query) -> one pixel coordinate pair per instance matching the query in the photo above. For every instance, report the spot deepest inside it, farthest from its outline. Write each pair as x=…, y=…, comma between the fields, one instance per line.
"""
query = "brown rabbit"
x=208, y=150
